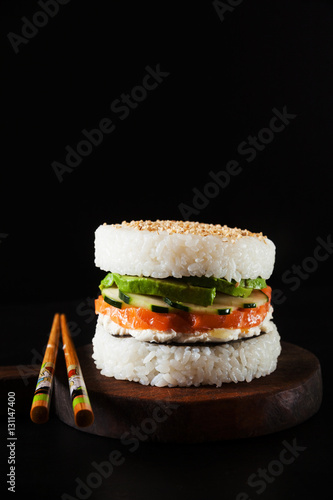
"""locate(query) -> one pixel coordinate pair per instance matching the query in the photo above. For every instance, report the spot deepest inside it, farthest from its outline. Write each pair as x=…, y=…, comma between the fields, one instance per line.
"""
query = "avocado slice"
x=221, y=285
x=194, y=289
x=257, y=283
x=173, y=288
x=107, y=282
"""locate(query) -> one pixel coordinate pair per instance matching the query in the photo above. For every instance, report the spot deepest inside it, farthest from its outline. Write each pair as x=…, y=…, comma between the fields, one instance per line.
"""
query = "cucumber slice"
x=197, y=309
x=177, y=305
x=110, y=295
x=267, y=297
x=223, y=303
x=150, y=302
x=222, y=312
x=256, y=299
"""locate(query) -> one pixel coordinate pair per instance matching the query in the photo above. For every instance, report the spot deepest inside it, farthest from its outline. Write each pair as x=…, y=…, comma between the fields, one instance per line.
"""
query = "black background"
x=224, y=80
x=225, y=76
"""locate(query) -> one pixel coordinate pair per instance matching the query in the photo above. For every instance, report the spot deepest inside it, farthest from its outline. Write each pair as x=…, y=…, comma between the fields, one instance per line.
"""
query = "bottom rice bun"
x=184, y=303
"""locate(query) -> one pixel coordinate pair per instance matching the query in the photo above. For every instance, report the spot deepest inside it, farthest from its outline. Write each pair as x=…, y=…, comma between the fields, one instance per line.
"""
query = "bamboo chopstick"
x=83, y=414
x=40, y=407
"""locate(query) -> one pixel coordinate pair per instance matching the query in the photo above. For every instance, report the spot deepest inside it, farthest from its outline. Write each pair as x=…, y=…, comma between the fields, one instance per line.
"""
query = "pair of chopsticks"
x=39, y=413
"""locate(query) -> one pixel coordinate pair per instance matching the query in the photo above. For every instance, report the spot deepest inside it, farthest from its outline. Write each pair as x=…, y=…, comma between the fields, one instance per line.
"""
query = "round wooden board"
x=129, y=410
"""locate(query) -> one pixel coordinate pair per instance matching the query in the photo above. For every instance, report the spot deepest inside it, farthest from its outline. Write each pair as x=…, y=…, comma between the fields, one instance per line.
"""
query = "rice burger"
x=184, y=303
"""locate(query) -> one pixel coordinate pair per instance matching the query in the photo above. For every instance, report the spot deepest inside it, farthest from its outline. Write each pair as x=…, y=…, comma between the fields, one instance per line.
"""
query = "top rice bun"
x=177, y=248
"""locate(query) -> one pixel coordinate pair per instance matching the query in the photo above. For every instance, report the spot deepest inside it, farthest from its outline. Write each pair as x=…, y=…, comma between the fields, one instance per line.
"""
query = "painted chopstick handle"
x=83, y=413
x=40, y=407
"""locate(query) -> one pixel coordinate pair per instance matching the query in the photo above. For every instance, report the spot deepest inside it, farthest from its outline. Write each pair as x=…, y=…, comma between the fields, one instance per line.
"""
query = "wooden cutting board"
x=134, y=413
